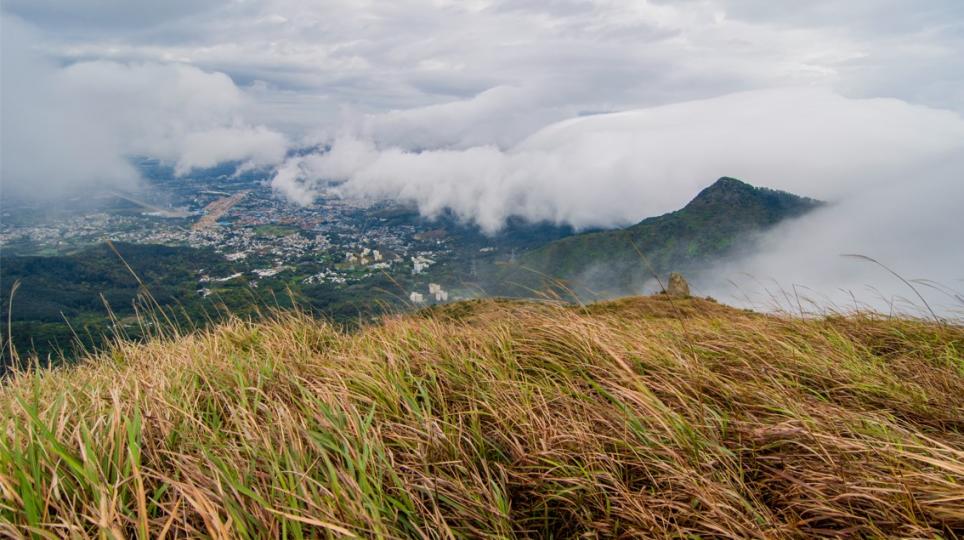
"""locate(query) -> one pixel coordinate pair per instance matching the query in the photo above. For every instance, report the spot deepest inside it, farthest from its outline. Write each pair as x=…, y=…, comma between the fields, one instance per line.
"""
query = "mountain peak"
x=724, y=189
x=728, y=182
x=732, y=192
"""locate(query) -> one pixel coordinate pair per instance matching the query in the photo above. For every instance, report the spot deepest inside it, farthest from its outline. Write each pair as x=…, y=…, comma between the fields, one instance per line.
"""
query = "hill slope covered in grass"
x=639, y=417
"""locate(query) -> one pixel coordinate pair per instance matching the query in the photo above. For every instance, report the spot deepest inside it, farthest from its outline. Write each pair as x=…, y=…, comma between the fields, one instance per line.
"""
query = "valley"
x=221, y=242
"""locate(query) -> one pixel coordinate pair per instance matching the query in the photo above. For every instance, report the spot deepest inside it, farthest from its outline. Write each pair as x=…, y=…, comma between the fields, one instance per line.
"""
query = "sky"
x=588, y=113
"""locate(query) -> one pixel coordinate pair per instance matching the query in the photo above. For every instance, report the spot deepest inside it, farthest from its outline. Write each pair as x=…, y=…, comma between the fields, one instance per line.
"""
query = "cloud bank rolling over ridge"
x=615, y=169
x=891, y=171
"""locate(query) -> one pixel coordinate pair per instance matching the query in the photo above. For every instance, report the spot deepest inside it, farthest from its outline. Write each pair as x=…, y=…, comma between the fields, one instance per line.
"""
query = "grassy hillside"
x=640, y=417
x=61, y=302
x=65, y=304
x=719, y=221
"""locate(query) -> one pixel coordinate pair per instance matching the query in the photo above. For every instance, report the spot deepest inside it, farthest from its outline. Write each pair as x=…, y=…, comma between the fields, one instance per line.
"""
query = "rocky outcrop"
x=677, y=286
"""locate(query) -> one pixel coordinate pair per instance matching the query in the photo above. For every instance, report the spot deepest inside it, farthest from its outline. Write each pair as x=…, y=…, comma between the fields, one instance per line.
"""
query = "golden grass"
x=499, y=419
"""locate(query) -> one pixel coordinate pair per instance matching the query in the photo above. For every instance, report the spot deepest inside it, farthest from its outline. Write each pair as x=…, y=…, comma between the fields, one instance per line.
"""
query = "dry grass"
x=499, y=419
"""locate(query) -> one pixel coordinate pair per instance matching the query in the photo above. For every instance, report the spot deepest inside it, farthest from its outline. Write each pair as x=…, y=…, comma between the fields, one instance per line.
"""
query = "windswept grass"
x=499, y=419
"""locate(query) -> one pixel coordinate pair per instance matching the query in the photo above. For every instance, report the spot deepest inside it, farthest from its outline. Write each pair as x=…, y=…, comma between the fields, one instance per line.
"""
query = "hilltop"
x=721, y=220
x=639, y=417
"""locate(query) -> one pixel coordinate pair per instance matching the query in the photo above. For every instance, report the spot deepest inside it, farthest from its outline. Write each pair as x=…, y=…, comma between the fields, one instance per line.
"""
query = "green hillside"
x=63, y=304
x=721, y=220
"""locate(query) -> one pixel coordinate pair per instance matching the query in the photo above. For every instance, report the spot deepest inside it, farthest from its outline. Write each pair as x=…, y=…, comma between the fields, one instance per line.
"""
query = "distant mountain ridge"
x=719, y=221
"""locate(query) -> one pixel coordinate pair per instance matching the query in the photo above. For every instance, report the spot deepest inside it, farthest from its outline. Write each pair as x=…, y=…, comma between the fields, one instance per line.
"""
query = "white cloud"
x=501, y=116
x=301, y=179
x=259, y=146
x=68, y=128
x=607, y=55
x=612, y=169
x=910, y=221
x=424, y=74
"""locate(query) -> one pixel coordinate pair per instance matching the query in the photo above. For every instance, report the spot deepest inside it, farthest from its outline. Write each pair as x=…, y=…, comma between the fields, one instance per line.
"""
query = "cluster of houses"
x=435, y=291
x=420, y=263
x=365, y=257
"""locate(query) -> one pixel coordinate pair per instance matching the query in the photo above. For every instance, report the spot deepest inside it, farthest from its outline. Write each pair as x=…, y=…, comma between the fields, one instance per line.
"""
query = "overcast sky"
x=504, y=67
x=495, y=108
